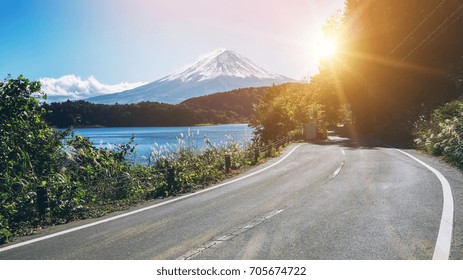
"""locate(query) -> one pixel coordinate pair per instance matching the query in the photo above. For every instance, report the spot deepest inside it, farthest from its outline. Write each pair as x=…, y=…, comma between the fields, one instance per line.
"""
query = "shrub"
x=29, y=153
x=442, y=134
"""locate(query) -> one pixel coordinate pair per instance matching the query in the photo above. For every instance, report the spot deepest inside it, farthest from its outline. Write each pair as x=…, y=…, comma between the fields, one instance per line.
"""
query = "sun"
x=325, y=47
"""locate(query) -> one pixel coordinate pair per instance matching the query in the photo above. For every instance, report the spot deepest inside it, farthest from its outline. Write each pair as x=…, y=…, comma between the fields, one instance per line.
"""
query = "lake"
x=158, y=138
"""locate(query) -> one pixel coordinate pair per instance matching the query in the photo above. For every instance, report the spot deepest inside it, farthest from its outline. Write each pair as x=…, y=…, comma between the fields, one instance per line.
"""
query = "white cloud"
x=75, y=88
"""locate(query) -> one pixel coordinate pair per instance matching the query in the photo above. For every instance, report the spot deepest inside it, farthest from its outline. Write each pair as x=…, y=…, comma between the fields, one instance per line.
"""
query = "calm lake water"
x=149, y=138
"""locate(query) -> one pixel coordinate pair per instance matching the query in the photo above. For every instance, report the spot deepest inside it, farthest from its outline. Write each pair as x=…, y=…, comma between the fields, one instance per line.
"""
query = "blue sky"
x=123, y=42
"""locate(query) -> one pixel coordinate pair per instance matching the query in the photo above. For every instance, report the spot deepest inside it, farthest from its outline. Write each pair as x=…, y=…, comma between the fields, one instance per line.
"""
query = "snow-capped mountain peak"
x=221, y=62
x=221, y=70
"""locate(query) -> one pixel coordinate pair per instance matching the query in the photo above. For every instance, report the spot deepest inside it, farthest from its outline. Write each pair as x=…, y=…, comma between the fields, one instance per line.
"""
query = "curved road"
x=334, y=200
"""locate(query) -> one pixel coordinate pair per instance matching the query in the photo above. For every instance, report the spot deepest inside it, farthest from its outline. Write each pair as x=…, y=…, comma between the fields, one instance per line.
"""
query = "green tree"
x=400, y=59
x=285, y=108
x=29, y=151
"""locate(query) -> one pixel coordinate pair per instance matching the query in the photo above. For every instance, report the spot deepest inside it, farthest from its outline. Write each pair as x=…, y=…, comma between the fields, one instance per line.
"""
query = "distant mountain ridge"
x=222, y=70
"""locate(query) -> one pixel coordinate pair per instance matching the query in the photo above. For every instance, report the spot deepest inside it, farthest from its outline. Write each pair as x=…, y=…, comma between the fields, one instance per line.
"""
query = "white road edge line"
x=143, y=209
x=338, y=170
x=444, y=237
x=227, y=237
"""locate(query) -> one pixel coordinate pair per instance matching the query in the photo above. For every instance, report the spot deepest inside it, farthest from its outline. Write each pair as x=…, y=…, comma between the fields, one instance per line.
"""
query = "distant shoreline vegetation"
x=232, y=107
x=102, y=126
x=207, y=124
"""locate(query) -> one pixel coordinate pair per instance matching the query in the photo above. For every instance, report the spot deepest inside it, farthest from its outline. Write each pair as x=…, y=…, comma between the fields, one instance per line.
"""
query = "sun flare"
x=326, y=47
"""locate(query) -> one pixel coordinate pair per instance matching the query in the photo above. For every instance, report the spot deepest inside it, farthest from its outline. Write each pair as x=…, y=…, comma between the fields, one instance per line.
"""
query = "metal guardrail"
x=276, y=144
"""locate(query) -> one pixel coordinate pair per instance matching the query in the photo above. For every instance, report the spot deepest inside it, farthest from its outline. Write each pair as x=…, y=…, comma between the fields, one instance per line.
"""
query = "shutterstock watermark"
x=177, y=271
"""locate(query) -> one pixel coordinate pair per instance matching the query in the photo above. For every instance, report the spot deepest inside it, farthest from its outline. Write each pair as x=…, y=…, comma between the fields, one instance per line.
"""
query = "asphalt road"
x=337, y=199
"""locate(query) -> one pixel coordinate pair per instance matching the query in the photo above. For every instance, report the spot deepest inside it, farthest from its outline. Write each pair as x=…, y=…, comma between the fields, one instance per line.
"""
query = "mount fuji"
x=222, y=70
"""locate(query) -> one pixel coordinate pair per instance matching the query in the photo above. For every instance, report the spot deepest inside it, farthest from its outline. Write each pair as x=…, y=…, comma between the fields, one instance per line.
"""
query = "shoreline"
x=146, y=126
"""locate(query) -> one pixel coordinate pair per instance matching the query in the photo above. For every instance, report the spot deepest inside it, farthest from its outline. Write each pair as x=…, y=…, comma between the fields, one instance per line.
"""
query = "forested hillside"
x=227, y=107
x=82, y=113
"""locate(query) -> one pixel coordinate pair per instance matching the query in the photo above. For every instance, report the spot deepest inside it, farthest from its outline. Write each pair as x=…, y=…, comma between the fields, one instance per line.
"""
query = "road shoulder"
x=455, y=179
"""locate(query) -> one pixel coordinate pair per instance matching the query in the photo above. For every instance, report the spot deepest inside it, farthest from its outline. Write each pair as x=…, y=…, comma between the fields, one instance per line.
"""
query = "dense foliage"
x=236, y=106
x=399, y=60
x=228, y=107
x=442, y=134
x=29, y=152
x=47, y=177
x=82, y=113
x=283, y=110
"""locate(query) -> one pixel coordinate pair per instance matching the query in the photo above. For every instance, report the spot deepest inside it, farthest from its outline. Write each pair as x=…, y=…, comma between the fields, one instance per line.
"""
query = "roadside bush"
x=442, y=134
x=193, y=168
x=29, y=154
